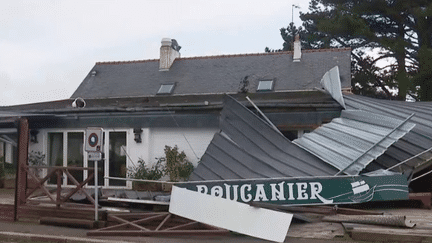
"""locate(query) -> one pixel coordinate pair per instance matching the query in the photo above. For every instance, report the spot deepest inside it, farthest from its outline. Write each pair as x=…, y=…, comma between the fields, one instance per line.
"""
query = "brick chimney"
x=169, y=51
x=297, y=49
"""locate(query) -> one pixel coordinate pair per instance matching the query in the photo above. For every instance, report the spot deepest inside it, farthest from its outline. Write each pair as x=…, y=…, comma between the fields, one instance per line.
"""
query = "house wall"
x=193, y=141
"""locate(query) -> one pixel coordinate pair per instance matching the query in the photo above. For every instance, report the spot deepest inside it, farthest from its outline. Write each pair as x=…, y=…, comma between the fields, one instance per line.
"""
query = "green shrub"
x=36, y=159
x=174, y=164
x=141, y=171
x=178, y=167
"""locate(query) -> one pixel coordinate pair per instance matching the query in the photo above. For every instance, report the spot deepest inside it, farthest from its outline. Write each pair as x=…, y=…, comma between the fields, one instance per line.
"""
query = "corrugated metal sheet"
x=332, y=84
x=352, y=141
x=418, y=140
x=248, y=147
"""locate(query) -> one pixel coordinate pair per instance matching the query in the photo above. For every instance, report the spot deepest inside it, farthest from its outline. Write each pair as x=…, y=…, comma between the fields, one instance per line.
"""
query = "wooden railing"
x=58, y=171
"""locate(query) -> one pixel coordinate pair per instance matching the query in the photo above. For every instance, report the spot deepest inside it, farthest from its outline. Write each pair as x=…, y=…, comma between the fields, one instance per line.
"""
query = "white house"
x=147, y=104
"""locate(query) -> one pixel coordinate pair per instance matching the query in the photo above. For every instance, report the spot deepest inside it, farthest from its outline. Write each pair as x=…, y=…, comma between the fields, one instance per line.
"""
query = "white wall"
x=39, y=146
x=193, y=141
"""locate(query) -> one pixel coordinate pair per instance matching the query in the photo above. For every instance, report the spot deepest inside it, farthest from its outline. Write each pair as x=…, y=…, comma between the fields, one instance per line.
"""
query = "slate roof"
x=215, y=74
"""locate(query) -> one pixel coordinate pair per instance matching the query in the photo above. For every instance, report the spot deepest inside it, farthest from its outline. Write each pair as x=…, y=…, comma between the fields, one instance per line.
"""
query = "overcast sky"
x=48, y=47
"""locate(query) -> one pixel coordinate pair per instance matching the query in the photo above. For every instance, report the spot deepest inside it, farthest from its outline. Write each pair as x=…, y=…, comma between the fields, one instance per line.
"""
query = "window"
x=75, y=154
x=266, y=85
x=66, y=148
x=55, y=152
x=117, y=157
x=166, y=89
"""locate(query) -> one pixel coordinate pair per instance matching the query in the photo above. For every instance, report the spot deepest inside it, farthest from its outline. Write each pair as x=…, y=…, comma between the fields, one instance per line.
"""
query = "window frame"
x=85, y=159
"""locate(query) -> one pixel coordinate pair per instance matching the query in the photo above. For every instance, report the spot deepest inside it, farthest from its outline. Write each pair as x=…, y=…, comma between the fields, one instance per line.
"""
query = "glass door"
x=55, y=152
x=75, y=156
x=117, y=157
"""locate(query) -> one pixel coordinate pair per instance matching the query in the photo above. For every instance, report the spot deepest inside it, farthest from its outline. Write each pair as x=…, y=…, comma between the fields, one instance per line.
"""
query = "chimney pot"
x=297, y=49
x=166, y=42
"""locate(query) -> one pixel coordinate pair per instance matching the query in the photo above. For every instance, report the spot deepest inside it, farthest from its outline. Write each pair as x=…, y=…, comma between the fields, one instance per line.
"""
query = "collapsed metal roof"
x=355, y=139
x=412, y=151
x=248, y=147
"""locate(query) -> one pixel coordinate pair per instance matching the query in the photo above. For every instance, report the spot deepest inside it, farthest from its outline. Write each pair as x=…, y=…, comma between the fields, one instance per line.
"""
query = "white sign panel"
x=231, y=215
x=94, y=138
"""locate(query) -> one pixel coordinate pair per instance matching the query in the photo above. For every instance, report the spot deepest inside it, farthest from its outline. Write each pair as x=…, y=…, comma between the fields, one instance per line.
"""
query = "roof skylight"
x=166, y=89
x=265, y=85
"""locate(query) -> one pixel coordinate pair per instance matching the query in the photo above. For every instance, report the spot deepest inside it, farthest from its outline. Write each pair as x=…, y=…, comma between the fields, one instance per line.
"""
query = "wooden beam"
x=129, y=223
x=21, y=174
x=78, y=187
x=68, y=222
x=40, y=182
x=125, y=222
x=156, y=233
x=315, y=209
x=59, y=184
x=163, y=222
x=41, y=186
x=182, y=226
x=386, y=234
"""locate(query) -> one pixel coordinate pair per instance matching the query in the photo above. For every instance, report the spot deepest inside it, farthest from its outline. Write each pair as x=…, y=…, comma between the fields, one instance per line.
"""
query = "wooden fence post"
x=21, y=174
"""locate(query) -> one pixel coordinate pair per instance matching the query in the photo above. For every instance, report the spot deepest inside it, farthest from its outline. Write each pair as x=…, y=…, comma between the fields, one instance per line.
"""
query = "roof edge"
x=228, y=56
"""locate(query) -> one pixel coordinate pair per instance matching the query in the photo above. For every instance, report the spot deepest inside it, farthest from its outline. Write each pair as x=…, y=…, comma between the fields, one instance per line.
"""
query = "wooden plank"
x=134, y=215
x=317, y=230
x=129, y=223
x=125, y=222
x=42, y=187
x=156, y=233
x=60, y=167
x=68, y=222
x=388, y=220
x=78, y=187
x=163, y=222
x=316, y=209
x=37, y=212
x=40, y=182
x=59, y=184
x=425, y=198
x=389, y=235
x=6, y=212
x=113, y=199
x=182, y=226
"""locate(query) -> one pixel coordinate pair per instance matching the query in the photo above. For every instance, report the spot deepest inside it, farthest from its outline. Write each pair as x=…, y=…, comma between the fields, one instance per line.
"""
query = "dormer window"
x=166, y=89
x=265, y=85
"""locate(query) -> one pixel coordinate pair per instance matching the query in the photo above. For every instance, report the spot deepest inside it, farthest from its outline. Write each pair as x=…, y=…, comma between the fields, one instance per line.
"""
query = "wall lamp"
x=137, y=135
x=33, y=136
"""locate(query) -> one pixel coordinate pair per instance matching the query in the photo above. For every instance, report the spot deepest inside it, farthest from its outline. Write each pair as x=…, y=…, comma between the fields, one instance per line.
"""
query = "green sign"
x=307, y=191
